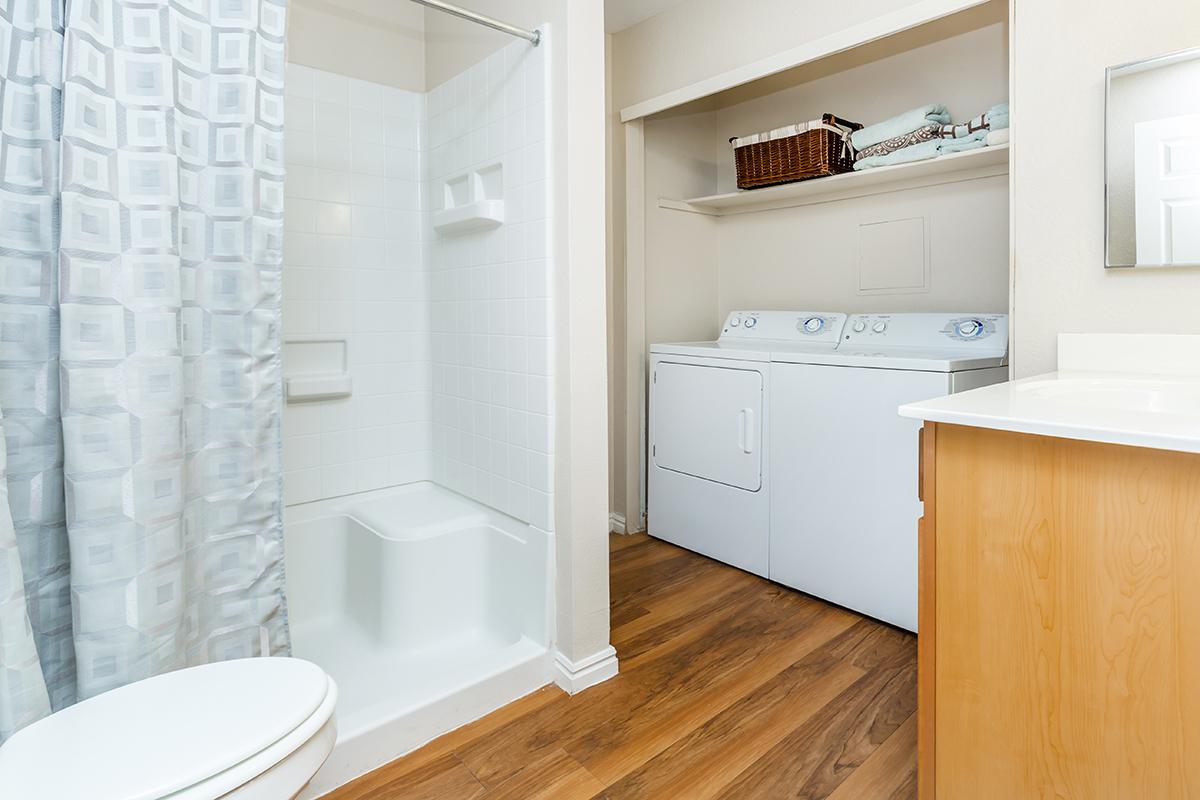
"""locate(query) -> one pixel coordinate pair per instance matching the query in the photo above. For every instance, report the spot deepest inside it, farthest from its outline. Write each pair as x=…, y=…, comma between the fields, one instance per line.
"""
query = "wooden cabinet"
x=1059, y=647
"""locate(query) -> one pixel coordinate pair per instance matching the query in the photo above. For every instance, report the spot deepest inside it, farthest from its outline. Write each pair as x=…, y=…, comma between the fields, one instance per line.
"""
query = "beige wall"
x=615, y=293
x=681, y=277
x=454, y=44
x=398, y=42
x=375, y=40
x=580, y=364
x=1060, y=51
x=809, y=260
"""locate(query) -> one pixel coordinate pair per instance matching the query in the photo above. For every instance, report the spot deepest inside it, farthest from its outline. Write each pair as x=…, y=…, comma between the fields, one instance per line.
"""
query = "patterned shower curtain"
x=141, y=207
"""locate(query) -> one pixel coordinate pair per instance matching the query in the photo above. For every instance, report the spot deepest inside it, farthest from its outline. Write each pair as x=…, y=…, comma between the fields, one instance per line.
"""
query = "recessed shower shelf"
x=316, y=368
x=969, y=165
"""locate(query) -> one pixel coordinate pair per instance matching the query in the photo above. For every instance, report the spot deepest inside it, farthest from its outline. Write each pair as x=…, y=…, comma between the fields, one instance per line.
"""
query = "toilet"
x=248, y=729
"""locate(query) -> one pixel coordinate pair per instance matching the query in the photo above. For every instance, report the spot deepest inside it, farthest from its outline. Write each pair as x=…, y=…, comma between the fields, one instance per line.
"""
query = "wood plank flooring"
x=730, y=687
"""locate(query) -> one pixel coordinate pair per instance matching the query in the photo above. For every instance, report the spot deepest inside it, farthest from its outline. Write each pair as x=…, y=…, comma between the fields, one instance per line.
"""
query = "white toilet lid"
x=161, y=735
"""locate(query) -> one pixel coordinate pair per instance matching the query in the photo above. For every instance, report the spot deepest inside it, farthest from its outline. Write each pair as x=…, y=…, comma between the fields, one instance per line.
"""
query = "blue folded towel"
x=994, y=119
x=997, y=116
x=932, y=114
x=930, y=149
x=968, y=142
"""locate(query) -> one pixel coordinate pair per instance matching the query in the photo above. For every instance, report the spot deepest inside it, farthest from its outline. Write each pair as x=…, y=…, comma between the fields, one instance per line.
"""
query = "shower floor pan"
x=428, y=609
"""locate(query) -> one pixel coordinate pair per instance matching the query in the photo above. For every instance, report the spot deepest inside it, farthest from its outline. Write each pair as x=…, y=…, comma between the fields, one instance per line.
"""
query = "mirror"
x=1152, y=162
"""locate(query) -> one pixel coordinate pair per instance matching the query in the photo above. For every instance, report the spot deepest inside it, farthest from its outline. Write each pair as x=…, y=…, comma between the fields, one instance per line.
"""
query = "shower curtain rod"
x=534, y=36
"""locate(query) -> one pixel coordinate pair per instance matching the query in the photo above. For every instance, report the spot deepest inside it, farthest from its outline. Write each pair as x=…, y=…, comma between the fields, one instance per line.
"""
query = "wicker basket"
x=814, y=150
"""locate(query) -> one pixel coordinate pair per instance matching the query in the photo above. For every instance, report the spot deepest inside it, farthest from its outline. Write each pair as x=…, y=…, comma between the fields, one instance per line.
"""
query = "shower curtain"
x=141, y=208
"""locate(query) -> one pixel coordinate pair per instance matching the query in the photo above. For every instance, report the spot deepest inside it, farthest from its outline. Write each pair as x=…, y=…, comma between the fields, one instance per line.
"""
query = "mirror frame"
x=1186, y=54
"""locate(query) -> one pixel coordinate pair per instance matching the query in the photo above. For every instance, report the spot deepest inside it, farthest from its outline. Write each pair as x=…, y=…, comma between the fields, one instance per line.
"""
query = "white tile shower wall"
x=355, y=267
x=491, y=290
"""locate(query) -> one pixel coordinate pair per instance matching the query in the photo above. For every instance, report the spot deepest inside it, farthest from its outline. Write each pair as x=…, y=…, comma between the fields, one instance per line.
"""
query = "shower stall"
x=418, y=424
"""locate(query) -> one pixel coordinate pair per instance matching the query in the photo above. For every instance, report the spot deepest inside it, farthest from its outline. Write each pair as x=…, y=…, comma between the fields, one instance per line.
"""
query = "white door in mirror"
x=1167, y=190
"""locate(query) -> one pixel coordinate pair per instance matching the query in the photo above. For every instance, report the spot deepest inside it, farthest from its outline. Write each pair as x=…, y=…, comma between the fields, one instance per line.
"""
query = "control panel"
x=795, y=326
x=972, y=332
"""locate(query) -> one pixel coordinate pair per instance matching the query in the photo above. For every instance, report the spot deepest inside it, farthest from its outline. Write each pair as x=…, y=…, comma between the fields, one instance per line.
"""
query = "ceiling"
x=622, y=14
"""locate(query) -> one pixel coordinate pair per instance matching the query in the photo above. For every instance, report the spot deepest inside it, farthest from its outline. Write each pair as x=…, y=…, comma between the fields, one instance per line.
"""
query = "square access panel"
x=893, y=256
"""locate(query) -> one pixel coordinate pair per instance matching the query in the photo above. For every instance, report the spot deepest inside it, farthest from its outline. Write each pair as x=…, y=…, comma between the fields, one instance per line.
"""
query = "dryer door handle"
x=746, y=430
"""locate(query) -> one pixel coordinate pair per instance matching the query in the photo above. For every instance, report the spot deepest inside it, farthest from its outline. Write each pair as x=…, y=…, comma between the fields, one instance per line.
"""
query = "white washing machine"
x=844, y=523
x=708, y=482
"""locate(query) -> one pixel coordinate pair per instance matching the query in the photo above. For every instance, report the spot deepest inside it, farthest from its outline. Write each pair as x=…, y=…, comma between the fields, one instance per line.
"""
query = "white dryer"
x=708, y=482
x=844, y=521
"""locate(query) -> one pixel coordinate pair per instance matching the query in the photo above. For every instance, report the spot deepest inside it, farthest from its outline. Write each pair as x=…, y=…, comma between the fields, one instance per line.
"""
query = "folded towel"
x=934, y=113
x=997, y=116
x=925, y=150
x=997, y=137
x=933, y=139
x=993, y=119
x=900, y=142
x=968, y=142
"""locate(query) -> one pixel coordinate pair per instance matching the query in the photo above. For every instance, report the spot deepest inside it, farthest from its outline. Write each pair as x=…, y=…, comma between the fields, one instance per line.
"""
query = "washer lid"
x=161, y=735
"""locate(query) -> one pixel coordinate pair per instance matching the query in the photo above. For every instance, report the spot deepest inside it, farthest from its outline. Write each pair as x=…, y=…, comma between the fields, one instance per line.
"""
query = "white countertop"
x=1138, y=409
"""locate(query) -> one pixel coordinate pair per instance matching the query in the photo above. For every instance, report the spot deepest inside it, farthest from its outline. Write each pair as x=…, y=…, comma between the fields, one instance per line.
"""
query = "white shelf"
x=471, y=217
x=318, y=387
x=984, y=162
x=472, y=201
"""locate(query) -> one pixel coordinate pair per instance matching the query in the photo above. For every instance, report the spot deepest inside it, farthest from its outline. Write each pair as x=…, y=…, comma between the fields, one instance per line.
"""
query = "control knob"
x=879, y=327
x=751, y=322
x=859, y=326
x=969, y=328
x=813, y=324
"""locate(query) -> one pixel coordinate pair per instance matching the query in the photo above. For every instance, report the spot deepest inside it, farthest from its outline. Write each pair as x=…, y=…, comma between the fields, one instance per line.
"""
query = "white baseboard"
x=575, y=676
x=616, y=522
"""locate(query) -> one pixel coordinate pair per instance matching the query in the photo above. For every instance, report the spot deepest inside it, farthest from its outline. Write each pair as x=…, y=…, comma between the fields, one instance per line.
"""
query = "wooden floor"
x=730, y=687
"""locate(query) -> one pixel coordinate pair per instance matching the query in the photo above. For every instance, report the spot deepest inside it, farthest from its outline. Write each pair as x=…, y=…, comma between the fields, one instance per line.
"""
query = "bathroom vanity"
x=1060, y=580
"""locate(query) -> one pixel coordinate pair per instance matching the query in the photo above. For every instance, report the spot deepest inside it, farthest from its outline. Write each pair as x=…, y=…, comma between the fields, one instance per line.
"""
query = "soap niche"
x=316, y=368
x=471, y=201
